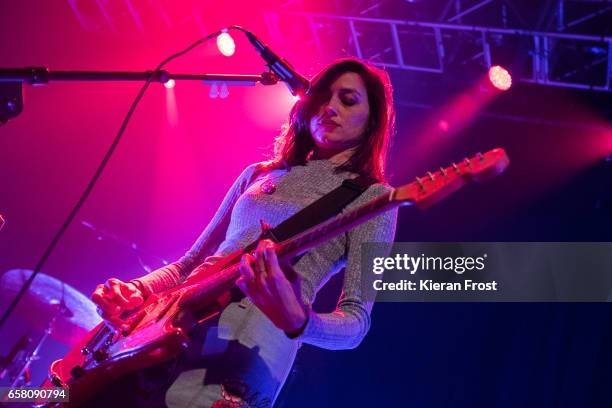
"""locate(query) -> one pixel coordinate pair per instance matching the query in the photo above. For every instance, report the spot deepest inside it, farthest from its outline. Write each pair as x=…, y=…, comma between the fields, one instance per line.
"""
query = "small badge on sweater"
x=268, y=187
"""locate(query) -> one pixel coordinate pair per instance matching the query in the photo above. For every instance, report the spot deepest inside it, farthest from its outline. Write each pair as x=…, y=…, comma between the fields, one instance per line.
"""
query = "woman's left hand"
x=273, y=288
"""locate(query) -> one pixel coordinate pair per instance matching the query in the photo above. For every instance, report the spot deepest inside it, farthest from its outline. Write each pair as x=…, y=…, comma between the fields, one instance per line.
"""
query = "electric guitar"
x=158, y=330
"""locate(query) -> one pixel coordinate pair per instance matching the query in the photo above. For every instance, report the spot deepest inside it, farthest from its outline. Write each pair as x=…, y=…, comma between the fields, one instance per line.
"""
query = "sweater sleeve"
x=346, y=326
x=209, y=240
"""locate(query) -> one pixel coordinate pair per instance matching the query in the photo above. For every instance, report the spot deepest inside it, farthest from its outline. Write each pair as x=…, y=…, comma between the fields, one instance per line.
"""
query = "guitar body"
x=158, y=332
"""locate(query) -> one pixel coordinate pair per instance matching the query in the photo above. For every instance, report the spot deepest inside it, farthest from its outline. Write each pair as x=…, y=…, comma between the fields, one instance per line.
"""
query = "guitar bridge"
x=167, y=307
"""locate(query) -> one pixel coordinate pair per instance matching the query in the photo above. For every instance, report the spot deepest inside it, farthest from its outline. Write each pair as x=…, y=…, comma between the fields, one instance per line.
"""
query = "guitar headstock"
x=435, y=186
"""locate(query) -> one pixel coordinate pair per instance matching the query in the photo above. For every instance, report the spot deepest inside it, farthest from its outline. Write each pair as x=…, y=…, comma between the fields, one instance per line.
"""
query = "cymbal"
x=43, y=302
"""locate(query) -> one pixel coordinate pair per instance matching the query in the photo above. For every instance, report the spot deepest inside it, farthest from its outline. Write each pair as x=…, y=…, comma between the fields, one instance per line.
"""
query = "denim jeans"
x=236, y=360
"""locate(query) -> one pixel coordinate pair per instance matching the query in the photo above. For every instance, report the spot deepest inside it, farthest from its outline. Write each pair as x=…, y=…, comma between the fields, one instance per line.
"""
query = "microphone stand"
x=12, y=79
x=11, y=105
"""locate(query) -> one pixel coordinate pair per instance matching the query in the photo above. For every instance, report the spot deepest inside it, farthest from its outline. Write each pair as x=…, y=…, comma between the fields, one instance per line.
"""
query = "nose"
x=329, y=108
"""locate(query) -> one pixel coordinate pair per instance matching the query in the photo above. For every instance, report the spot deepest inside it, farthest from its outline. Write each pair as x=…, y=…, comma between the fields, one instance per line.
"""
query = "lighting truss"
x=473, y=35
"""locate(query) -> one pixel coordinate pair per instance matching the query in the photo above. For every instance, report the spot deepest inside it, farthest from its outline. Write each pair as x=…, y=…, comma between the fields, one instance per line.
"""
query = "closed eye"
x=349, y=97
x=349, y=101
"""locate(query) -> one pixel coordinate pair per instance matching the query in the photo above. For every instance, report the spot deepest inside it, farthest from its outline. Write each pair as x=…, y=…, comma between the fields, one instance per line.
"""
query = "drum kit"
x=54, y=308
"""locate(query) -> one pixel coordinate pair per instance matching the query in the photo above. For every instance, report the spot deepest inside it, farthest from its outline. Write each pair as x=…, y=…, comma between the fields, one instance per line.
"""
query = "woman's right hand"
x=115, y=297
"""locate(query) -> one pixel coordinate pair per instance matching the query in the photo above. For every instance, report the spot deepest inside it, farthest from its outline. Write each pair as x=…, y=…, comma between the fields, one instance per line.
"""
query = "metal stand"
x=11, y=80
x=62, y=310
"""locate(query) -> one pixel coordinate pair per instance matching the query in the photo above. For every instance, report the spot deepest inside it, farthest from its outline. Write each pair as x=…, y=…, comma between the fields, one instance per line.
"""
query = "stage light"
x=226, y=44
x=500, y=78
x=170, y=84
x=443, y=125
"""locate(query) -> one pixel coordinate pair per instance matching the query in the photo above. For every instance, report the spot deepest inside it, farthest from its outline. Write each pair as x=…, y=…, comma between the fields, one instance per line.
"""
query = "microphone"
x=297, y=84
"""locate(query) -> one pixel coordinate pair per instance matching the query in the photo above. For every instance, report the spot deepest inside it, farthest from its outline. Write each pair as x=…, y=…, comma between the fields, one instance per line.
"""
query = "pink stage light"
x=169, y=84
x=443, y=125
x=500, y=78
x=226, y=44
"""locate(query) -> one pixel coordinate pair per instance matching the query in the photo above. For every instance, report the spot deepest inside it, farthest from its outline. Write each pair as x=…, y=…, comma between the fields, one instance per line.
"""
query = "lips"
x=329, y=124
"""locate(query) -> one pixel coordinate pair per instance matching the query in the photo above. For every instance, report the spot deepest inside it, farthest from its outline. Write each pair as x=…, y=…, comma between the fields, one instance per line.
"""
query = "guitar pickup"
x=167, y=307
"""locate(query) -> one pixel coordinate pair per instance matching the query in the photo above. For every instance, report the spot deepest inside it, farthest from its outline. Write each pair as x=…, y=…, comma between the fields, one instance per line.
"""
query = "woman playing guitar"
x=242, y=357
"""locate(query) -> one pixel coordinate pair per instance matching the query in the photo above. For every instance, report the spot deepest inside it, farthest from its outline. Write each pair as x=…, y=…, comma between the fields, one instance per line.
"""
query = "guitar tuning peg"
x=467, y=162
x=443, y=171
x=480, y=156
x=431, y=176
x=420, y=183
x=455, y=167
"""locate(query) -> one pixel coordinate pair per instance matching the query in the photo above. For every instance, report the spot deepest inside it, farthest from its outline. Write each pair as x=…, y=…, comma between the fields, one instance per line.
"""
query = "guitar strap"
x=321, y=210
x=317, y=212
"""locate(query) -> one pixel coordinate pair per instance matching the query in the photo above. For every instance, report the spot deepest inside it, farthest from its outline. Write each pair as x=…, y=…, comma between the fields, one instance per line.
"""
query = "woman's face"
x=341, y=121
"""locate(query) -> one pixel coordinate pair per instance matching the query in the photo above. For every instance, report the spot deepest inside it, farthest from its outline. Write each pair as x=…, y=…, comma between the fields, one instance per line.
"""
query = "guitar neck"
x=217, y=282
x=312, y=237
x=422, y=193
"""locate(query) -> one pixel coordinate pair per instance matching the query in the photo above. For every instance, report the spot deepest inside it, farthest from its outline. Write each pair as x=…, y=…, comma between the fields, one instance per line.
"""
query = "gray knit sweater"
x=237, y=223
x=254, y=351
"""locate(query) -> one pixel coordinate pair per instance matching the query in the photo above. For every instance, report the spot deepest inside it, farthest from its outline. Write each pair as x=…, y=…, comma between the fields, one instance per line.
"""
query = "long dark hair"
x=295, y=143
